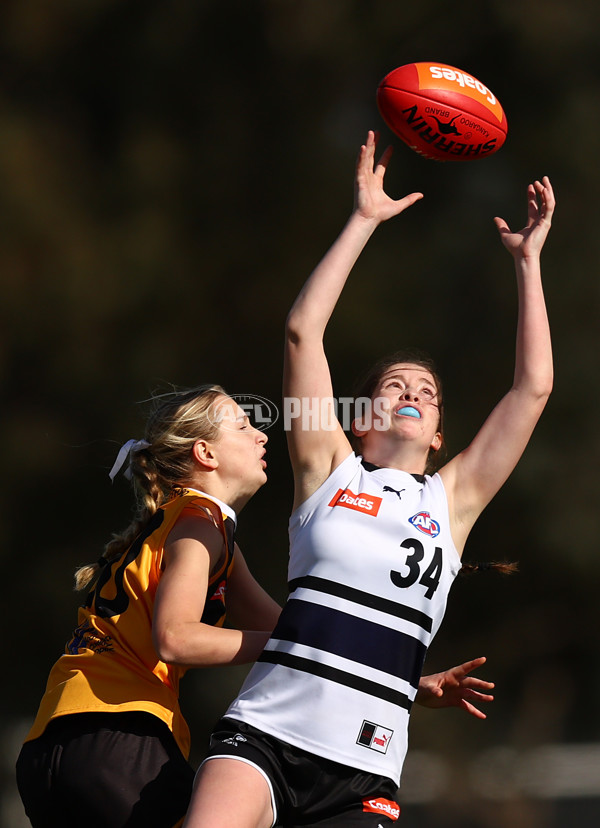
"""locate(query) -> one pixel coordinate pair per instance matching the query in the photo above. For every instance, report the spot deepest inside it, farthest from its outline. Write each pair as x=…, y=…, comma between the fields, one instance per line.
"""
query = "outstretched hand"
x=371, y=201
x=455, y=688
x=540, y=207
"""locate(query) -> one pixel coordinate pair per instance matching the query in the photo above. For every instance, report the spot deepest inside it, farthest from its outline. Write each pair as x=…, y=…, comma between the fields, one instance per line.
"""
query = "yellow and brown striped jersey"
x=110, y=664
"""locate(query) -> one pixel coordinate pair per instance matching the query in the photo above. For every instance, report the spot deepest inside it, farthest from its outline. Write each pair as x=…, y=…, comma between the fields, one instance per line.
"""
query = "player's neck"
x=390, y=454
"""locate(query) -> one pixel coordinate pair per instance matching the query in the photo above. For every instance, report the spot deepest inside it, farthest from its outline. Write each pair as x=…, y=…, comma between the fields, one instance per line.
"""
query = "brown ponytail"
x=503, y=567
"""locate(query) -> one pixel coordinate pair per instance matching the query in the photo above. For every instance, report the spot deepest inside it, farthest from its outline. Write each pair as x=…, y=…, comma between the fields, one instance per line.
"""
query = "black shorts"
x=307, y=790
x=104, y=770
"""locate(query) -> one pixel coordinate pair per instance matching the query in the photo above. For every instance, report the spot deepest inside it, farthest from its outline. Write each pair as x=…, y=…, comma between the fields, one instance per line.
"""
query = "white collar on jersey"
x=224, y=507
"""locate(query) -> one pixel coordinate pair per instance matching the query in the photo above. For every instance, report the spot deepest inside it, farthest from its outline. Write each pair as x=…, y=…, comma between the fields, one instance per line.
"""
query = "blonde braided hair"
x=161, y=463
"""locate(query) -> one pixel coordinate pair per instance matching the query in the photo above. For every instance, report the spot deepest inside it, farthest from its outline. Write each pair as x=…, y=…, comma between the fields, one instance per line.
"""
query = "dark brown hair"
x=366, y=386
x=503, y=567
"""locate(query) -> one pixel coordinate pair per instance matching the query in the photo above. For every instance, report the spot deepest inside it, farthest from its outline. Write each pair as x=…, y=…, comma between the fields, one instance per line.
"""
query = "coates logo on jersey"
x=426, y=524
x=367, y=503
x=380, y=806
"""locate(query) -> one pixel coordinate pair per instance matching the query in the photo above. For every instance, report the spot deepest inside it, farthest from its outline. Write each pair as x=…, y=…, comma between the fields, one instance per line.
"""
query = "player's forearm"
x=194, y=644
x=533, y=363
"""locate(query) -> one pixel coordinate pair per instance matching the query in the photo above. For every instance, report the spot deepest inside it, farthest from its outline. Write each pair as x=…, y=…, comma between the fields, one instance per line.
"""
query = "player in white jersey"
x=320, y=725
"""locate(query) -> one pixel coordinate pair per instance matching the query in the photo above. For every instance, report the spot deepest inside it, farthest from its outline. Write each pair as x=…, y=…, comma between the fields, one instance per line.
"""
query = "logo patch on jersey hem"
x=362, y=502
x=426, y=524
x=387, y=807
x=374, y=736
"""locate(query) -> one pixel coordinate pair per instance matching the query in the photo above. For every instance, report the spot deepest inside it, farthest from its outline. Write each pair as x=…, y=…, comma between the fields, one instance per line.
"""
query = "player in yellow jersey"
x=109, y=745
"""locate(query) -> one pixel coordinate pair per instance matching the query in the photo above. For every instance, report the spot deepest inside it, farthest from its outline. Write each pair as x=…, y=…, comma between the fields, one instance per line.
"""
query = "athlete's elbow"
x=542, y=388
x=169, y=645
x=303, y=328
x=293, y=328
x=537, y=387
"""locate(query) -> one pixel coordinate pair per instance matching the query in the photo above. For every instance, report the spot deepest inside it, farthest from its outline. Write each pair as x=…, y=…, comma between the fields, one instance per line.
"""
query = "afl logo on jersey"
x=426, y=524
x=362, y=502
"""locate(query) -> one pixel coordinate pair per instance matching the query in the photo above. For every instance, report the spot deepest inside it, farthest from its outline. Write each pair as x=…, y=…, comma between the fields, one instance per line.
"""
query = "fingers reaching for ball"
x=371, y=200
x=542, y=200
x=540, y=209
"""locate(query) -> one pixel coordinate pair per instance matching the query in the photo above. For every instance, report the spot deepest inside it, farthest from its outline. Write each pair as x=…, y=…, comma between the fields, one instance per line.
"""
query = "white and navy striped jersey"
x=371, y=564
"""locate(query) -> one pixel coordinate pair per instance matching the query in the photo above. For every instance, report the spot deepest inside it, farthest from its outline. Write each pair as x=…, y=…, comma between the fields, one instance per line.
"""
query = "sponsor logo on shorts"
x=363, y=502
x=374, y=736
x=234, y=740
x=382, y=806
x=426, y=524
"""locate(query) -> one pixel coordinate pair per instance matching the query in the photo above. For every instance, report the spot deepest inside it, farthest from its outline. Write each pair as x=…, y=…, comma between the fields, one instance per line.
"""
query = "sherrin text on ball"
x=441, y=112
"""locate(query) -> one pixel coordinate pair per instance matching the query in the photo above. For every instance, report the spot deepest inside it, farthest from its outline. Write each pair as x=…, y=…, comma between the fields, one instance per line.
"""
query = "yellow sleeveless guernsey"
x=110, y=664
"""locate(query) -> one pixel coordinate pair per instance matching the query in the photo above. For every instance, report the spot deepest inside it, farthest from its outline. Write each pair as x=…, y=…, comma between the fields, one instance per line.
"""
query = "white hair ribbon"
x=125, y=452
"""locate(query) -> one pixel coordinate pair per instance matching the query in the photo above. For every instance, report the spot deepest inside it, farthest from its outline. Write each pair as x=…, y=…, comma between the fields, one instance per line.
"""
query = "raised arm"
x=316, y=450
x=475, y=475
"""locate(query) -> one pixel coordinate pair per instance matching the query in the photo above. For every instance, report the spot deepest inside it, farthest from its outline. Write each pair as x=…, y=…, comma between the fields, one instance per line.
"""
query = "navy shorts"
x=307, y=790
x=104, y=770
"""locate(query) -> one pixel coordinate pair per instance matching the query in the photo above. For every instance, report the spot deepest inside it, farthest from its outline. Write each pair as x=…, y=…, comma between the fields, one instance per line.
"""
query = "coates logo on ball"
x=441, y=112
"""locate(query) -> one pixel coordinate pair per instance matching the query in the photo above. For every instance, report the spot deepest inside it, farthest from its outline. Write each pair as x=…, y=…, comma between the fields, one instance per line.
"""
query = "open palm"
x=371, y=200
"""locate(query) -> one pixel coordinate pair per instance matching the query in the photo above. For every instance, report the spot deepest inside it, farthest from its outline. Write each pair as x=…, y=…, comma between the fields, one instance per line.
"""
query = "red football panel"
x=450, y=99
x=416, y=79
x=437, y=129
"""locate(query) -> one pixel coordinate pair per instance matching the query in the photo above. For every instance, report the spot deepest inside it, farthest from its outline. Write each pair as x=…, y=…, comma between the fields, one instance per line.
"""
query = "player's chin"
x=258, y=483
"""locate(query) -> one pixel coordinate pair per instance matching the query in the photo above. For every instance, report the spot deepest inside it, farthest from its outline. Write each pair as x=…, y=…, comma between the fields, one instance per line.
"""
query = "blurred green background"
x=170, y=173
